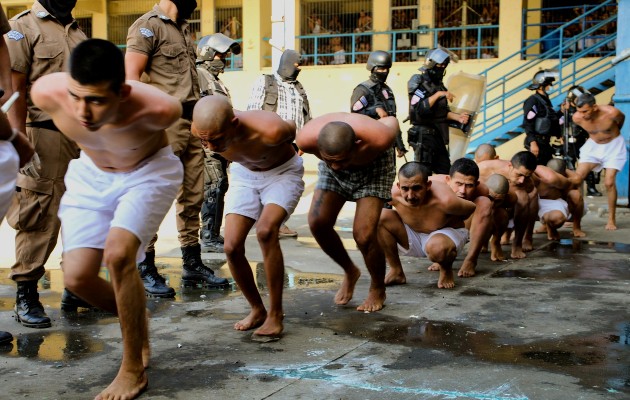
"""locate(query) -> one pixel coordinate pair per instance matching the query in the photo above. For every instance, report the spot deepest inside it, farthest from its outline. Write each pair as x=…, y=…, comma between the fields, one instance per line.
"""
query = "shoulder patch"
x=147, y=33
x=42, y=14
x=15, y=35
x=386, y=94
x=362, y=102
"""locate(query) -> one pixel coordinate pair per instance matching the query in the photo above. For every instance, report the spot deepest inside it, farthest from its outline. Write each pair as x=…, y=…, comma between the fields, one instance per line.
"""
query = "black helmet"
x=379, y=58
x=574, y=92
x=436, y=56
x=210, y=45
x=542, y=78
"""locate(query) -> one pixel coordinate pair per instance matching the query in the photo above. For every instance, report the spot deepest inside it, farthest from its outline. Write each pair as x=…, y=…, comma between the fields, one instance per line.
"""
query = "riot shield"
x=469, y=91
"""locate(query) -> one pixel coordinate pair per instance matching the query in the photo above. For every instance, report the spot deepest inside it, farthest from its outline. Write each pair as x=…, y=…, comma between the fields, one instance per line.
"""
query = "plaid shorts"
x=373, y=180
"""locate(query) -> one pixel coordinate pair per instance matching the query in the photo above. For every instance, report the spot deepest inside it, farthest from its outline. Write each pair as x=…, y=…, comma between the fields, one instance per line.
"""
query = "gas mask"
x=216, y=66
x=437, y=74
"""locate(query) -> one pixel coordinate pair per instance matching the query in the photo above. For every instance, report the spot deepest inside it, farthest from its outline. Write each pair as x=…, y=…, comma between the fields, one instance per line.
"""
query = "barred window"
x=332, y=17
x=229, y=18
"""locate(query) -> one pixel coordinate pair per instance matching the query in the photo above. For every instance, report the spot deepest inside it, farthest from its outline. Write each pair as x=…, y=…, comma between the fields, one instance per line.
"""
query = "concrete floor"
x=555, y=325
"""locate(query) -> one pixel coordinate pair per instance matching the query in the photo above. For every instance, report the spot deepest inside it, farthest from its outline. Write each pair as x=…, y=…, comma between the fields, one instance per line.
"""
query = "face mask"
x=185, y=8
x=216, y=66
x=437, y=73
x=286, y=68
x=60, y=9
x=379, y=76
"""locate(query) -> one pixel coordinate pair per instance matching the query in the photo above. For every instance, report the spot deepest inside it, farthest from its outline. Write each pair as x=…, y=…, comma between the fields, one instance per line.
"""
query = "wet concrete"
x=555, y=325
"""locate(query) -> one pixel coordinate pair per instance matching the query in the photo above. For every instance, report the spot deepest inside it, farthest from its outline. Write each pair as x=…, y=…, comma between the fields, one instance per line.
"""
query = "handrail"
x=500, y=97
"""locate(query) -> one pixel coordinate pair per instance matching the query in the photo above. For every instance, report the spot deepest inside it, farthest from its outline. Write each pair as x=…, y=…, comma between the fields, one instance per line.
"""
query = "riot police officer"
x=374, y=97
x=212, y=51
x=429, y=112
x=540, y=120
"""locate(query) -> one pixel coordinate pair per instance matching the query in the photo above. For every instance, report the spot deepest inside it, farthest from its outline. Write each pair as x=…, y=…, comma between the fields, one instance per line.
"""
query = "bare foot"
x=345, y=292
x=126, y=385
x=446, y=280
x=496, y=252
x=374, y=301
x=506, y=238
x=272, y=326
x=527, y=245
x=467, y=269
x=577, y=232
x=434, y=267
x=552, y=234
x=253, y=320
x=611, y=226
x=541, y=229
x=517, y=252
x=395, y=276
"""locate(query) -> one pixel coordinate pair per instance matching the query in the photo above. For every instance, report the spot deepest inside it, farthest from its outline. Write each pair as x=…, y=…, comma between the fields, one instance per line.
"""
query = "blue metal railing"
x=315, y=48
x=502, y=107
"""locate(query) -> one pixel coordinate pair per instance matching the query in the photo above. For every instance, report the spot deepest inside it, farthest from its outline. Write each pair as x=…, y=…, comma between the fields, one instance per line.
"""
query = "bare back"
x=134, y=133
x=439, y=209
x=605, y=124
x=373, y=136
x=261, y=141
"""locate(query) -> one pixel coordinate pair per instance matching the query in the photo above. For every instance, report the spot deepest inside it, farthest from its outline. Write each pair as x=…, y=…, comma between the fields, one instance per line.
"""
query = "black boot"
x=5, y=337
x=591, y=190
x=211, y=243
x=28, y=310
x=70, y=302
x=195, y=272
x=154, y=284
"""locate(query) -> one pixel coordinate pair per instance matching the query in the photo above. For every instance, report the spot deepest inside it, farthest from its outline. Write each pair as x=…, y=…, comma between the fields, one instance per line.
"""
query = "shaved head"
x=485, y=152
x=211, y=113
x=336, y=138
x=557, y=165
x=414, y=168
x=498, y=184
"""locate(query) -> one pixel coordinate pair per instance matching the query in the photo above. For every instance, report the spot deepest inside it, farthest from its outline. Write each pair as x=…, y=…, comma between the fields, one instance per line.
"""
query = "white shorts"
x=96, y=201
x=608, y=155
x=250, y=191
x=546, y=205
x=418, y=241
x=9, y=164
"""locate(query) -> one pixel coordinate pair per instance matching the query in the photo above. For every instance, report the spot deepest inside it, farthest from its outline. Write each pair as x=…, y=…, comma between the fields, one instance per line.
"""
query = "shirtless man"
x=558, y=199
x=605, y=147
x=503, y=202
x=427, y=221
x=118, y=190
x=356, y=166
x=463, y=179
x=266, y=176
x=485, y=152
x=518, y=172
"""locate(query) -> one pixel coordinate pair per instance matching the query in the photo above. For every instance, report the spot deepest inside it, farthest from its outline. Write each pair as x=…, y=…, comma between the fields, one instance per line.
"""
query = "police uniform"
x=171, y=51
x=535, y=107
x=370, y=95
x=429, y=132
x=39, y=45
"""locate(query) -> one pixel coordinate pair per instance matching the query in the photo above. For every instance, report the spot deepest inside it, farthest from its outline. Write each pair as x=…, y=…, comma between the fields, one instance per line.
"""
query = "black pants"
x=429, y=149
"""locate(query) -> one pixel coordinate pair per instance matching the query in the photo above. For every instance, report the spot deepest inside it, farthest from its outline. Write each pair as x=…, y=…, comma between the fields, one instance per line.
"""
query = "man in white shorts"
x=427, y=221
x=266, y=185
x=118, y=190
x=604, y=149
x=558, y=199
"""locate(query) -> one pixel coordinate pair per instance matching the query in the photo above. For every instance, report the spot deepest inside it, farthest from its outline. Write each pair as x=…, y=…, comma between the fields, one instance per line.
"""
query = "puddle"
x=51, y=284
x=577, y=259
x=63, y=346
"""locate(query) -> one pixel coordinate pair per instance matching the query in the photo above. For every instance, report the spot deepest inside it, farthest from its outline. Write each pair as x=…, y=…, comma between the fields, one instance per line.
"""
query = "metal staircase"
x=583, y=59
